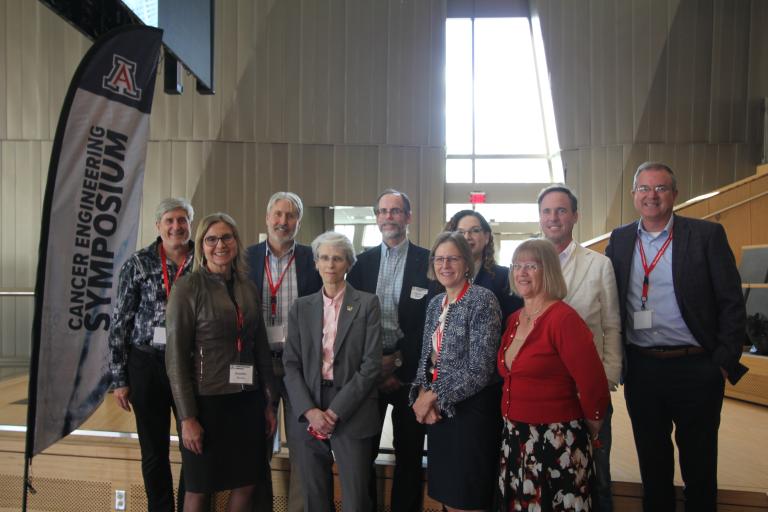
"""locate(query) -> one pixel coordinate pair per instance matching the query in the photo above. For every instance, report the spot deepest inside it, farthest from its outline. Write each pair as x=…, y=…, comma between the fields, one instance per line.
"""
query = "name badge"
x=418, y=293
x=241, y=374
x=642, y=319
x=158, y=338
x=276, y=336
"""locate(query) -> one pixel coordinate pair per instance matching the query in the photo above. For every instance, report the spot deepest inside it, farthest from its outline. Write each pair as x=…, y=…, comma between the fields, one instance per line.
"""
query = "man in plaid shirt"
x=396, y=271
x=137, y=343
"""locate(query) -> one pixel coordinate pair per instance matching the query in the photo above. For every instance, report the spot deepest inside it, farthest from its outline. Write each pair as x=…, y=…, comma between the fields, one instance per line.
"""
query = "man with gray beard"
x=282, y=271
x=396, y=271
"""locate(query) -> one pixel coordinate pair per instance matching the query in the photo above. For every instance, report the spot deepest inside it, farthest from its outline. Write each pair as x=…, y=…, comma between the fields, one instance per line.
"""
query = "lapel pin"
x=350, y=308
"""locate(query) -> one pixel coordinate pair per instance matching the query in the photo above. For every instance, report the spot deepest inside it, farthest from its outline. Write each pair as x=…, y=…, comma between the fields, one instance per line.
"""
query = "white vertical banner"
x=89, y=228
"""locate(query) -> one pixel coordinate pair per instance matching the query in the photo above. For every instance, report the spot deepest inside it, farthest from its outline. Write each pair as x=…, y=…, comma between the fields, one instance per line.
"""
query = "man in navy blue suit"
x=282, y=270
x=396, y=271
x=683, y=325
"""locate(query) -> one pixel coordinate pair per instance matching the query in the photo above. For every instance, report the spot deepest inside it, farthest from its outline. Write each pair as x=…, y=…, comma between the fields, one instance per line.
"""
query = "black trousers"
x=152, y=403
x=686, y=392
x=408, y=443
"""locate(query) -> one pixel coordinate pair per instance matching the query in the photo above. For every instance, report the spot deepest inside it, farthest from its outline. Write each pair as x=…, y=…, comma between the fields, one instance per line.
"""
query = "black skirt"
x=463, y=452
x=234, y=443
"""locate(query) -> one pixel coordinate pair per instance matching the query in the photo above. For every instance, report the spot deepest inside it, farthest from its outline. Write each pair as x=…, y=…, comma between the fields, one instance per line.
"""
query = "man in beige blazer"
x=593, y=294
x=332, y=360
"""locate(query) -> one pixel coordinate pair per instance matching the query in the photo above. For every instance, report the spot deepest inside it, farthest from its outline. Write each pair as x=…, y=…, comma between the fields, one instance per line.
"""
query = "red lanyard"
x=439, y=330
x=240, y=324
x=166, y=281
x=274, y=288
x=648, y=269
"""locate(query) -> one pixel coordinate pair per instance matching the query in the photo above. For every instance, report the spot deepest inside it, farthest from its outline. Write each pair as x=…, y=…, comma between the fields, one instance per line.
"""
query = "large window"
x=500, y=128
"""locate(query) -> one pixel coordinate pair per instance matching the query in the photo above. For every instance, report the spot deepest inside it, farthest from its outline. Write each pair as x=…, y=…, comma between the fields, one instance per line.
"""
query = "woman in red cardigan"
x=554, y=395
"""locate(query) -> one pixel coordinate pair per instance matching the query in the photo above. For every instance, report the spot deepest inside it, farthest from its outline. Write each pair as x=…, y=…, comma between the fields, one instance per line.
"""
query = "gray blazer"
x=356, y=366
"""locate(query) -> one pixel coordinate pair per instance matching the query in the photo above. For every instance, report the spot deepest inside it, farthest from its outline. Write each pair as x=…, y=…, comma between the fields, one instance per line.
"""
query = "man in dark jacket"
x=396, y=271
x=683, y=325
x=282, y=270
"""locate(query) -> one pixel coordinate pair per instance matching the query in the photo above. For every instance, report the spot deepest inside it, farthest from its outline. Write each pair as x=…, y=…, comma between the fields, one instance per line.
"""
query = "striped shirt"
x=388, y=288
x=288, y=290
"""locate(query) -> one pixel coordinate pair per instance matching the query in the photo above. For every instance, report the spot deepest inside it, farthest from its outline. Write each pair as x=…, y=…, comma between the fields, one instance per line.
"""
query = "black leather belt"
x=277, y=354
x=667, y=352
x=326, y=383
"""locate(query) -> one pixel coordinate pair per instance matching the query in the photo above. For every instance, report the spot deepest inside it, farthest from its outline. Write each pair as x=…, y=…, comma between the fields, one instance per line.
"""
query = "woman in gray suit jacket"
x=332, y=360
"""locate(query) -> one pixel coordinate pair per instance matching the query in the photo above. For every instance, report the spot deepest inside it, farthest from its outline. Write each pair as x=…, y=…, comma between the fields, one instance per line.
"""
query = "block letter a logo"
x=122, y=78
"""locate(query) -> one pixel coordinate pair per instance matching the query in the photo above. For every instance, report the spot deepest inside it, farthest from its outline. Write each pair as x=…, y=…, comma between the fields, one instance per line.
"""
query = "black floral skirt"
x=545, y=467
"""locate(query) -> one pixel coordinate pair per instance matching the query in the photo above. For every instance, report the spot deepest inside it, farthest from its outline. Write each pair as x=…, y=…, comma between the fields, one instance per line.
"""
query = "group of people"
x=506, y=371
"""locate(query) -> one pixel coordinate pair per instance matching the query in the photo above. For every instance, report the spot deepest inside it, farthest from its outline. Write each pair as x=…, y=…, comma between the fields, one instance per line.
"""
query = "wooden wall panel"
x=366, y=71
x=625, y=83
x=322, y=86
x=293, y=59
x=681, y=73
x=7, y=219
x=430, y=214
x=633, y=156
x=3, y=73
x=312, y=166
x=758, y=74
x=334, y=33
x=227, y=71
x=655, y=113
x=416, y=56
x=730, y=58
x=14, y=81
x=275, y=64
x=353, y=182
x=704, y=158
x=36, y=77
x=673, y=80
x=437, y=77
x=641, y=71
x=242, y=57
x=598, y=187
x=615, y=189
x=702, y=78
x=314, y=56
x=567, y=68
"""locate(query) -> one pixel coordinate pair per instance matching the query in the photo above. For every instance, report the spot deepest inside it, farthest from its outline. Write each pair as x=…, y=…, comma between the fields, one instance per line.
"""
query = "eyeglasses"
x=471, y=231
x=391, y=211
x=327, y=259
x=660, y=189
x=529, y=267
x=442, y=260
x=213, y=241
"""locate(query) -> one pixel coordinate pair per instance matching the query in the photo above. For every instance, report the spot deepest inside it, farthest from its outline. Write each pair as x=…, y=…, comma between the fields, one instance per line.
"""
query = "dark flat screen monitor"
x=187, y=26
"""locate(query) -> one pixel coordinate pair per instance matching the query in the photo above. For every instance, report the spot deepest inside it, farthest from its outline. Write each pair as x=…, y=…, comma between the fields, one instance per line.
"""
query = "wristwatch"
x=398, y=362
